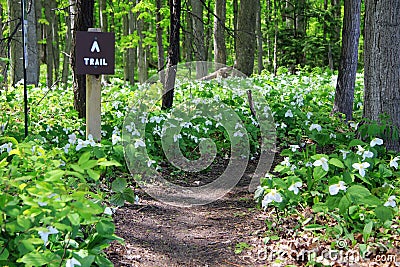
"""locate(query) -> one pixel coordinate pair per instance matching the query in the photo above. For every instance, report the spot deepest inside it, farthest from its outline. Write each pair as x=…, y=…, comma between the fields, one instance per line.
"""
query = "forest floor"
x=231, y=231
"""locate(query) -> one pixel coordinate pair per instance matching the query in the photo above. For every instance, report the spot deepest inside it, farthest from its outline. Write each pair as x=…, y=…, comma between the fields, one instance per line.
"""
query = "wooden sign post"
x=95, y=55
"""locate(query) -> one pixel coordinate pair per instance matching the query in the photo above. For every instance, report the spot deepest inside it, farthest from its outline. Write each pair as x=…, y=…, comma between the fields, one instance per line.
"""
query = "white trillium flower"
x=45, y=235
x=315, y=127
x=177, y=136
x=294, y=147
x=238, y=133
x=273, y=195
x=360, y=150
x=367, y=154
x=286, y=162
x=115, y=139
x=335, y=188
x=72, y=138
x=283, y=125
x=361, y=167
x=309, y=114
x=72, y=262
x=354, y=125
x=323, y=162
x=376, y=141
x=7, y=147
x=289, y=114
x=344, y=153
x=393, y=162
x=139, y=143
x=295, y=187
x=391, y=202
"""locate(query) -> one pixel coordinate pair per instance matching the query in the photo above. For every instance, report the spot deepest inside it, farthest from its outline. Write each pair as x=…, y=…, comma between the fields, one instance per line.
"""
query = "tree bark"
x=159, y=37
x=344, y=96
x=66, y=53
x=200, y=53
x=131, y=51
x=260, y=50
x=173, y=53
x=16, y=64
x=83, y=21
x=32, y=75
x=246, y=42
x=219, y=32
x=235, y=25
x=125, y=32
x=3, y=52
x=141, y=54
x=381, y=65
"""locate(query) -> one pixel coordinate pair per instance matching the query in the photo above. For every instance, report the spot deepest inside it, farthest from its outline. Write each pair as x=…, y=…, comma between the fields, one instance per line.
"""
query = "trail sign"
x=95, y=53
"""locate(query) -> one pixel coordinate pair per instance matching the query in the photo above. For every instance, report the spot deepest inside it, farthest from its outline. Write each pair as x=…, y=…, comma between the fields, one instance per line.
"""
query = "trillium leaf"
x=336, y=162
x=383, y=213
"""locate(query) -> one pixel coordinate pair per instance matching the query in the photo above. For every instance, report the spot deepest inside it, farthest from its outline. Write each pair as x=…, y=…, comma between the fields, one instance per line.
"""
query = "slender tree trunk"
x=235, y=25
x=268, y=36
x=83, y=21
x=103, y=16
x=246, y=36
x=141, y=54
x=125, y=32
x=275, y=63
x=173, y=53
x=260, y=50
x=49, y=52
x=381, y=65
x=200, y=52
x=3, y=52
x=16, y=64
x=56, y=42
x=66, y=53
x=159, y=37
x=132, y=52
x=219, y=32
x=32, y=75
x=344, y=95
x=188, y=35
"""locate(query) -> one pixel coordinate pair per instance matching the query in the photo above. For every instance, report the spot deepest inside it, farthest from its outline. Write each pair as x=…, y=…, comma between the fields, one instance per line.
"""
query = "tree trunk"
x=344, y=95
x=132, y=52
x=246, y=42
x=275, y=62
x=66, y=53
x=3, y=52
x=49, y=52
x=141, y=55
x=173, y=53
x=235, y=25
x=83, y=21
x=159, y=37
x=188, y=35
x=103, y=15
x=381, y=63
x=32, y=75
x=56, y=42
x=198, y=33
x=260, y=50
x=125, y=53
x=219, y=32
x=16, y=64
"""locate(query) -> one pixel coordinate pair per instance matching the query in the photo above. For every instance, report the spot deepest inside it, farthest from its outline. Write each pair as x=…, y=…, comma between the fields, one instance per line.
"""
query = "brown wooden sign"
x=95, y=53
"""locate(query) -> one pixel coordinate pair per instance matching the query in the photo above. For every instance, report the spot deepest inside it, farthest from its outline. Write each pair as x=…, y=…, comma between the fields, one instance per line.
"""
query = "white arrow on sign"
x=95, y=47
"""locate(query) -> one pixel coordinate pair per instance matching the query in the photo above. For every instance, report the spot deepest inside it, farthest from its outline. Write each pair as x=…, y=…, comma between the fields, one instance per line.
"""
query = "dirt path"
x=161, y=235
